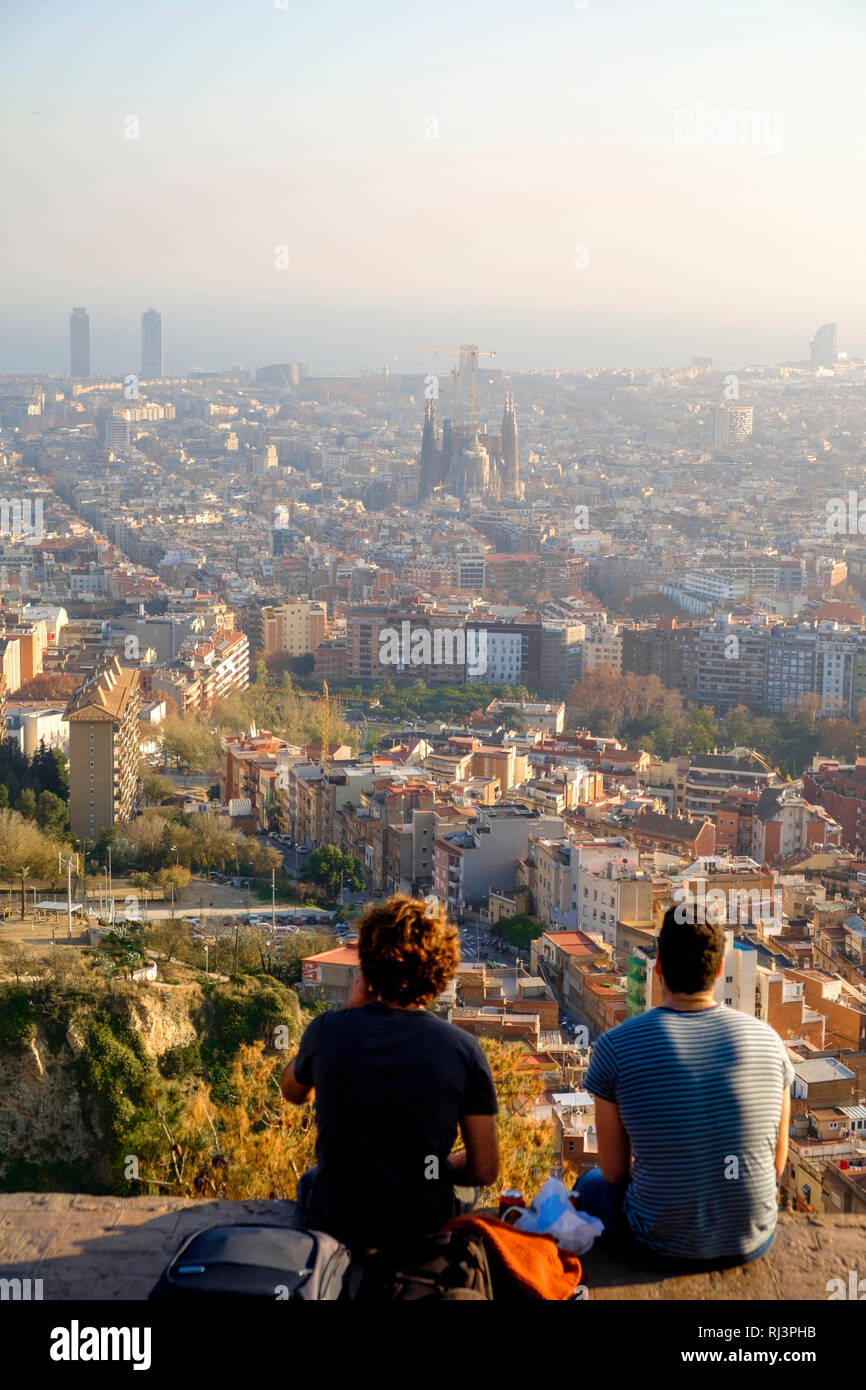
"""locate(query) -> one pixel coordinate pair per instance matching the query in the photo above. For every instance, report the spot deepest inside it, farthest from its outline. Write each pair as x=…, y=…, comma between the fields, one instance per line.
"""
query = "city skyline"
x=819, y=352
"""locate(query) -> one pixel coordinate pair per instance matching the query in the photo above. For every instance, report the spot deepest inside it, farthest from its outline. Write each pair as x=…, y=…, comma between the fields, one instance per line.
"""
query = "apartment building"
x=239, y=755
x=841, y=790
x=103, y=750
x=731, y=665
x=468, y=863
x=652, y=830
x=784, y=822
x=606, y=896
x=667, y=650
x=295, y=627
x=701, y=781
x=215, y=669
x=602, y=646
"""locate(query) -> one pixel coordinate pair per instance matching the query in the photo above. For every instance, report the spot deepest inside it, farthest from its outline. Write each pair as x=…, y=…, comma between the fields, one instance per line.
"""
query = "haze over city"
x=431, y=175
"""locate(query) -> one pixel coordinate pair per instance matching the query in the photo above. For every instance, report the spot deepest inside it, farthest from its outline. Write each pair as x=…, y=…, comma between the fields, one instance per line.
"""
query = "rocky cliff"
x=51, y=1127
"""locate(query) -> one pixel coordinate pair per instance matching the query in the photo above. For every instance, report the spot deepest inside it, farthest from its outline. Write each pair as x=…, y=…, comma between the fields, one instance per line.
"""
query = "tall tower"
x=510, y=453
x=79, y=343
x=823, y=346
x=429, y=461
x=731, y=424
x=151, y=345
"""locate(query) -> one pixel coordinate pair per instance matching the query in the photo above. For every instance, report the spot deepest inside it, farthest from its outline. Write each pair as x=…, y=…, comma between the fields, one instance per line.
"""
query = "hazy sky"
x=432, y=170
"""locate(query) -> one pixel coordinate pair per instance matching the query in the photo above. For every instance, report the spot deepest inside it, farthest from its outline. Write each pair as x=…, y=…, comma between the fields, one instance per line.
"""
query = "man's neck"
x=688, y=1003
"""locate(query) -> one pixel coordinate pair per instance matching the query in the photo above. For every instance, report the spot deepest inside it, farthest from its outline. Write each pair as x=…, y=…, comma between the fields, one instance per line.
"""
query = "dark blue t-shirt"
x=391, y=1088
x=700, y=1095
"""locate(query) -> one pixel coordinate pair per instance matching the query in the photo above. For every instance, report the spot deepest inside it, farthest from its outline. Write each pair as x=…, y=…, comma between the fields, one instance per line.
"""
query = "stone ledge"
x=115, y=1248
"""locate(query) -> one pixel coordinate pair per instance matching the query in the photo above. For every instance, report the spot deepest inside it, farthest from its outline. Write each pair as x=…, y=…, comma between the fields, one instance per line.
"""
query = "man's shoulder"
x=750, y=1027
x=652, y=1023
x=632, y=1029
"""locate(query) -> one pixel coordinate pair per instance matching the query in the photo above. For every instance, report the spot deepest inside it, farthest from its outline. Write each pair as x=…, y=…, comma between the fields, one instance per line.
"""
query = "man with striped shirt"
x=692, y=1107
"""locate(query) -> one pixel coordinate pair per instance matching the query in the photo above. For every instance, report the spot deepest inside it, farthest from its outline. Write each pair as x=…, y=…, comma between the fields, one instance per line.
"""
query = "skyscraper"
x=151, y=345
x=823, y=346
x=79, y=343
x=117, y=431
x=510, y=454
x=731, y=424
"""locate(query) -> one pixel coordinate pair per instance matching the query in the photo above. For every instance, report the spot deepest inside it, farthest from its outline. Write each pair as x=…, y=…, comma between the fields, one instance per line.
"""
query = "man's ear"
x=657, y=967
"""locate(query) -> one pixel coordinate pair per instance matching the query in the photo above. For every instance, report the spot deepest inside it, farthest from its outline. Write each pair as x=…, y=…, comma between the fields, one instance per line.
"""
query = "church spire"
x=510, y=452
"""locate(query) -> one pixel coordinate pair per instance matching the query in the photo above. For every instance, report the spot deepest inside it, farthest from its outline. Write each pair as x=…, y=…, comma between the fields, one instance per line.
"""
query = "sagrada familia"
x=469, y=463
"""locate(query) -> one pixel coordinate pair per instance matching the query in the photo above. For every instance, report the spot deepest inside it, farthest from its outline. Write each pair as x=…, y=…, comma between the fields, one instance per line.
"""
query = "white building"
x=504, y=664
x=28, y=727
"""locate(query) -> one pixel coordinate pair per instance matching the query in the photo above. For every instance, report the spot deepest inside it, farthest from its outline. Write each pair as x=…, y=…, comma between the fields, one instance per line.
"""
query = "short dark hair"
x=408, y=949
x=690, y=953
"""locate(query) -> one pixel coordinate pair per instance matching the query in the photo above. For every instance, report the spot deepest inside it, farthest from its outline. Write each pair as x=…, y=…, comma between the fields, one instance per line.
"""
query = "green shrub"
x=117, y=1072
x=183, y=1060
x=17, y=1017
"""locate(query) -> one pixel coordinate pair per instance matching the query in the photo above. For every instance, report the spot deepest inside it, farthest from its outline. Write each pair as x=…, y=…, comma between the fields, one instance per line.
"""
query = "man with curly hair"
x=393, y=1084
x=697, y=1094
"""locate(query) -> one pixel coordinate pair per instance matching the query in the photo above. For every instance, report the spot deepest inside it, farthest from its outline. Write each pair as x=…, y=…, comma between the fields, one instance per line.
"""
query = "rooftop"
x=822, y=1069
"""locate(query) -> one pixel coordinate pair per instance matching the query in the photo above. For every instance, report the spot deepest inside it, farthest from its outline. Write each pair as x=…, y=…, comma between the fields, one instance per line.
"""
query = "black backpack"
x=272, y=1262
x=450, y=1266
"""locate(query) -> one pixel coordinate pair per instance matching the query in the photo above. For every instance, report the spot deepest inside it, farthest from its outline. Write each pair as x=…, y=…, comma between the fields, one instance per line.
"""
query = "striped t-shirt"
x=700, y=1096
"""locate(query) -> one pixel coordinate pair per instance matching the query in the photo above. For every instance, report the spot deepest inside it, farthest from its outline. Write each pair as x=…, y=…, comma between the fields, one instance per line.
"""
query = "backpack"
x=450, y=1266
x=272, y=1262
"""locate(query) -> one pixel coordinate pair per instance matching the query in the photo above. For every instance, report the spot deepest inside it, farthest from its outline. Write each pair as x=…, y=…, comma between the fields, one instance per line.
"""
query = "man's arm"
x=478, y=1164
x=782, y=1141
x=292, y=1090
x=614, y=1145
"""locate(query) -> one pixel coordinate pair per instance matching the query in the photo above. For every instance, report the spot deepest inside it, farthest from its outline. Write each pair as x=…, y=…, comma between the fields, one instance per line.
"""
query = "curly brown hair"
x=408, y=949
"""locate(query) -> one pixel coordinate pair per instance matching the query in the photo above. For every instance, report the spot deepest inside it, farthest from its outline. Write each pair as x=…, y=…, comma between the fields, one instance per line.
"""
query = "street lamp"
x=24, y=872
x=68, y=894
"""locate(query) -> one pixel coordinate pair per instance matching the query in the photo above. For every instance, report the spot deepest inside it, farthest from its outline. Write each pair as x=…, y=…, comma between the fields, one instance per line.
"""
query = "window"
x=729, y=979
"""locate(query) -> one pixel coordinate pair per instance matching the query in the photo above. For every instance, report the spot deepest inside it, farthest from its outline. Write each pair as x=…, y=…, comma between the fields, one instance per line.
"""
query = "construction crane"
x=455, y=375
x=473, y=352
